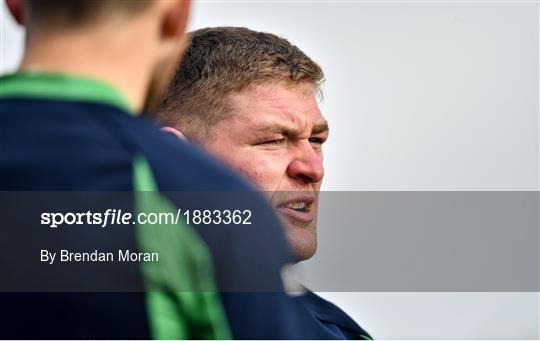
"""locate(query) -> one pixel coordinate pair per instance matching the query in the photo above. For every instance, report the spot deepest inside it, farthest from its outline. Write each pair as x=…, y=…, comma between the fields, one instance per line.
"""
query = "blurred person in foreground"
x=69, y=123
x=250, y=99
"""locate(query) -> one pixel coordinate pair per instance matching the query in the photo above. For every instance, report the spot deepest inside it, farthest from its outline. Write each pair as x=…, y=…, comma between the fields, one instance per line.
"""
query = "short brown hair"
x=61, y=13
x=224, y=60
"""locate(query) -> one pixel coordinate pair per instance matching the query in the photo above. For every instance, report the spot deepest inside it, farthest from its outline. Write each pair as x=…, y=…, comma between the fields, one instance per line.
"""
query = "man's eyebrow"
x=276, y=129
x=288, y=130
x=320, y=128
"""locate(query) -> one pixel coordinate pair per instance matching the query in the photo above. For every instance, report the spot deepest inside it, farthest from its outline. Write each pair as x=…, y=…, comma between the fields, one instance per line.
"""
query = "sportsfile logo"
x=102, y=219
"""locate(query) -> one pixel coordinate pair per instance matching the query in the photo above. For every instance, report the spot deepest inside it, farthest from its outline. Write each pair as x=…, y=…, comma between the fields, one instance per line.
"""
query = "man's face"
x=274, y=137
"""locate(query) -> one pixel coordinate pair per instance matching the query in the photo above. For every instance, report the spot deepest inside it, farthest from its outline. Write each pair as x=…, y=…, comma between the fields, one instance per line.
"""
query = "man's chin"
x=302, y=239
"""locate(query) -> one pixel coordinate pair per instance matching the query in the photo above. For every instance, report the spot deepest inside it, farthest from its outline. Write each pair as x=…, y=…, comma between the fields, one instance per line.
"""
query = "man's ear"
x=16, y=9
x=176, y=19
x=175, y=132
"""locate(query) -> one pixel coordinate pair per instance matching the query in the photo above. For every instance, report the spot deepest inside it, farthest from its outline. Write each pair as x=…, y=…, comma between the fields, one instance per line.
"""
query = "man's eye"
x=274, y=141
x=316, y=140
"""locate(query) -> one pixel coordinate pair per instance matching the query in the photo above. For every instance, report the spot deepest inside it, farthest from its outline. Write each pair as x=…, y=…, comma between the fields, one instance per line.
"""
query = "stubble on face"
x=162, y=75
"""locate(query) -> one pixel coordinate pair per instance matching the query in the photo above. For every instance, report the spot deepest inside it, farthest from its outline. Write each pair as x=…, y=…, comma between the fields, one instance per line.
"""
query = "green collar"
x=62, y=87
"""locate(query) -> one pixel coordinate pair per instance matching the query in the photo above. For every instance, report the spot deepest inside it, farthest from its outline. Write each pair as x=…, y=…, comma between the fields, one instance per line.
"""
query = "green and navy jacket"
x=68, y=133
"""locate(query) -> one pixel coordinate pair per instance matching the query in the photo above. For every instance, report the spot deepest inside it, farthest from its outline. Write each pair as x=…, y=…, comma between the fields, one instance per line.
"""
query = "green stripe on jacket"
x=184, y=264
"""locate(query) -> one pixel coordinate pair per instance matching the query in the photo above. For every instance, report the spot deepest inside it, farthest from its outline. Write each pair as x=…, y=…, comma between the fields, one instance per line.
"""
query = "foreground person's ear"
x=175, y=19
x=174, y=132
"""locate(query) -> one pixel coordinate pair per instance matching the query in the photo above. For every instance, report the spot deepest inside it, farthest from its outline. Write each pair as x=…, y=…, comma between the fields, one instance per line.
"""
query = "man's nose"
x=307, y=165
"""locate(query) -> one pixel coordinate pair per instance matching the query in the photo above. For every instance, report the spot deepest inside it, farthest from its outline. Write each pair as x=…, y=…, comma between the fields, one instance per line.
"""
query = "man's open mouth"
x=299, y=209
x=300, y=206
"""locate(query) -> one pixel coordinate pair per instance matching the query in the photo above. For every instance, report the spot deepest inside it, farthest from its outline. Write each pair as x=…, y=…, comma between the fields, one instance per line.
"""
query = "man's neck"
x=112, y=60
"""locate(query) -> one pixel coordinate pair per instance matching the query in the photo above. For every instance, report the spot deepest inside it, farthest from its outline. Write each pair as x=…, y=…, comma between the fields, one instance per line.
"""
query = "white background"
x=419, y=96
